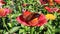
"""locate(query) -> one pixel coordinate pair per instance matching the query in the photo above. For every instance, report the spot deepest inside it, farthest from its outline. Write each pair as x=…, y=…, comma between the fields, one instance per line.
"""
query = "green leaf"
x=14, y=29
x=57, y=30
x=6, y=33
x=9, y=24
x=15, y=15
x=41, y=28
x=21, y=30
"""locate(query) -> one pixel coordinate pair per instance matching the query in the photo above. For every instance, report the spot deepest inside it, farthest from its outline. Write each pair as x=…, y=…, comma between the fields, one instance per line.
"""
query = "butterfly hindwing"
x=30, y=16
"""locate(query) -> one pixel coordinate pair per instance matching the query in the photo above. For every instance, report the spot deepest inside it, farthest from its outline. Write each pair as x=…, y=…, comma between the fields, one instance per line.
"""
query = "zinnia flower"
x=43, y=1
x=37, y=19
x=50, y=17
x=51, y=10
x=51, y=2
x=57, y=1
x=4, y=12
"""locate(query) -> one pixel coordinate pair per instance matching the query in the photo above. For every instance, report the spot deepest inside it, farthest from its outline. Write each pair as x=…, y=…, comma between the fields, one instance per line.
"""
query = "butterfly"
x=30, y=16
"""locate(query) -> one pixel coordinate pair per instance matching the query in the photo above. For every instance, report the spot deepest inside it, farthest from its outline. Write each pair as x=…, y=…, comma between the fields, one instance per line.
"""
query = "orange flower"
x=4, y=12
x=51, y=2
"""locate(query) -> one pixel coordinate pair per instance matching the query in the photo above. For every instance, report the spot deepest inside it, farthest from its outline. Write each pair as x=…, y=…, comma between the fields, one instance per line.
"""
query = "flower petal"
x=55, y=9
x=41, y=17
x=7, y=10
x=22, y=21
x=42, y=20
x=2, y=12
x=49, y=9
x=41, y=23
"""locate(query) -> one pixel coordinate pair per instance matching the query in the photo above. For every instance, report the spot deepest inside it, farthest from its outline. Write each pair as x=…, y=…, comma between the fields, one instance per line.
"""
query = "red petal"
x=2, y=12
x=41, y=17
x=7, y=10
x=55, y=9
x=22, y=21
x=49, y=9
x=41, y=23
x=42, y=20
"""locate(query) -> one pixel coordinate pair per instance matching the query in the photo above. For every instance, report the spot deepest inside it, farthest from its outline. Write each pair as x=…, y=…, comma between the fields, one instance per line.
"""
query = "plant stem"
x=5, y=24
x=31, y=30
x=10, y=18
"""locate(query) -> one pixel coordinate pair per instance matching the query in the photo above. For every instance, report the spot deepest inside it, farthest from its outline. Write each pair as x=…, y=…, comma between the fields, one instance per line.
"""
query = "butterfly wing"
x=27, y=15
x=34, y=22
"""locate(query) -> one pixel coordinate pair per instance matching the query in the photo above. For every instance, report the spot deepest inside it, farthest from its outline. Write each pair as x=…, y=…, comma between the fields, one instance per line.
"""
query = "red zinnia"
x=4, y=12
x=51, y=10
x=38, y=21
